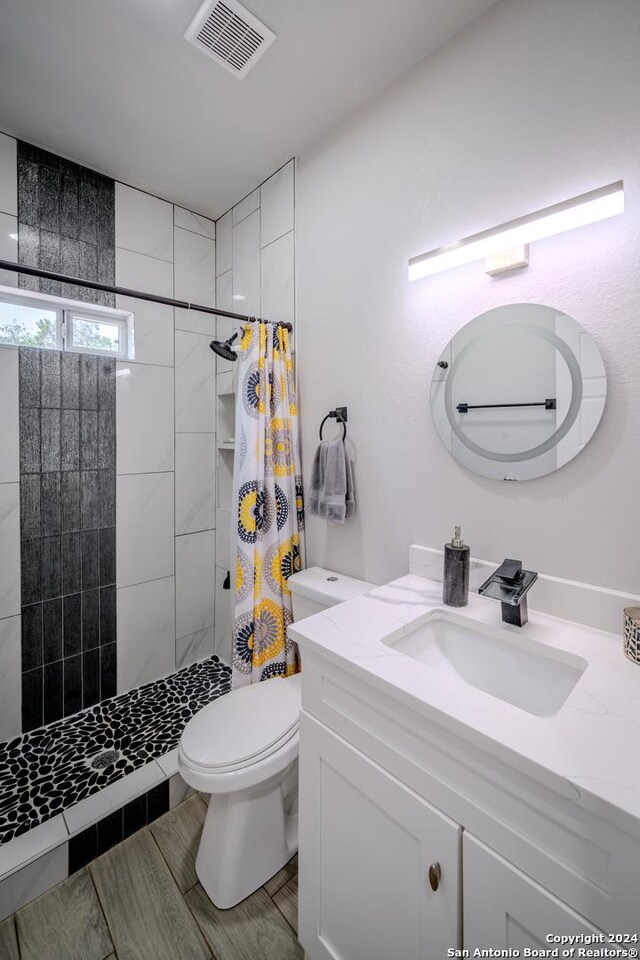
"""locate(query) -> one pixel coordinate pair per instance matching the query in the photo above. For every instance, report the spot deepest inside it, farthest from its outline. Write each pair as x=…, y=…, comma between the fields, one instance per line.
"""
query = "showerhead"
x=224, y=349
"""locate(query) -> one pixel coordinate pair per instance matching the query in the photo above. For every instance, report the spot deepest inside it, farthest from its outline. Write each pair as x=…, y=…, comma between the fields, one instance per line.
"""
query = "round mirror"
x=518, y=392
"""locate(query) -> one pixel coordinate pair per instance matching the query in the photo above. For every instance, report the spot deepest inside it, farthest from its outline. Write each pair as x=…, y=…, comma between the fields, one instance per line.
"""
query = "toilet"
x=242, y=749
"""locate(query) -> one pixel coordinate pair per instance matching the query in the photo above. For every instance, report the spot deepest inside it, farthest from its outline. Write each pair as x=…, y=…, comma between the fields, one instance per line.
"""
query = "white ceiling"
x=113, y=84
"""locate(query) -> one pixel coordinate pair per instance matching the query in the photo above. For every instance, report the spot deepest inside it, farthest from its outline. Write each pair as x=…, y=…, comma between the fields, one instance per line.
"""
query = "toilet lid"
x=244, y=724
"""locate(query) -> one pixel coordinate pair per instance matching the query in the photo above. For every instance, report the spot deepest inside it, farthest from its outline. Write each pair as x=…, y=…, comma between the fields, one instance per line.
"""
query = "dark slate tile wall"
x=117, y=826
x=67, y=524
x=66, y=224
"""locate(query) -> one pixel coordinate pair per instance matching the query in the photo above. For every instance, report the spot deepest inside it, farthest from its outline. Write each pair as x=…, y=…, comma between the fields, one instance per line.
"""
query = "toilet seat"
x=249, y=761
x=241, y=738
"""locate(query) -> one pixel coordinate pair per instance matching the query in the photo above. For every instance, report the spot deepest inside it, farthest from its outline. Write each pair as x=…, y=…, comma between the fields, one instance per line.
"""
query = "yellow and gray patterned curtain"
x=270, y=512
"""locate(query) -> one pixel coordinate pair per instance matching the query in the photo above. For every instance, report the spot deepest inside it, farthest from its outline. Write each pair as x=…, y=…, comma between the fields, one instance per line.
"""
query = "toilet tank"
x=315, y=589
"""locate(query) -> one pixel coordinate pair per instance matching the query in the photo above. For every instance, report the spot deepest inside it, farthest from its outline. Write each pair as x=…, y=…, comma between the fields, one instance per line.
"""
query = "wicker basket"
x=631, y=638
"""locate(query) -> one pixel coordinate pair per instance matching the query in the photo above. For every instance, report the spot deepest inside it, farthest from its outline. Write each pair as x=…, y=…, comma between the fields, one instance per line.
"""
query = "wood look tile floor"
x=142, y=901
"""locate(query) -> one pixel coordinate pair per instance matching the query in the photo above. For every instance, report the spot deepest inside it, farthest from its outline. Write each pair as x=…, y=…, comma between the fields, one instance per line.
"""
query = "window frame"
x=65, y=309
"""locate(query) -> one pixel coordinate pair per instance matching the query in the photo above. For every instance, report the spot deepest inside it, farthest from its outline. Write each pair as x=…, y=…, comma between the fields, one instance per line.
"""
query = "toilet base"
x=247, y=837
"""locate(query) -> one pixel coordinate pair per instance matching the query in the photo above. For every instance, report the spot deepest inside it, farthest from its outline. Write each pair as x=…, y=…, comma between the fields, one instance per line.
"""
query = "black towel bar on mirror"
x=549, y=404
x=339, y=414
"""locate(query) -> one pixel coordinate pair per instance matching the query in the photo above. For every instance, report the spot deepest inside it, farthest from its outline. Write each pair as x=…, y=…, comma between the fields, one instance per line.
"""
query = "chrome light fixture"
x=588, y=208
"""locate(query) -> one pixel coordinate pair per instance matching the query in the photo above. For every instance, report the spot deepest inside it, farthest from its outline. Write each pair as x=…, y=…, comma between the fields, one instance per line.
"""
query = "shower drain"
x=104, y=759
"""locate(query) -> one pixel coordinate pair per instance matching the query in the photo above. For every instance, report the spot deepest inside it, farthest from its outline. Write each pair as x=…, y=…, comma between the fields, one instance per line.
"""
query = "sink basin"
x=520, y=671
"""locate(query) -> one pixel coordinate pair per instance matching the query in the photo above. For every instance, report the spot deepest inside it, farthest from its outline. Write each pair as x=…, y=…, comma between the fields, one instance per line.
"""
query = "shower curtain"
x=269, y=504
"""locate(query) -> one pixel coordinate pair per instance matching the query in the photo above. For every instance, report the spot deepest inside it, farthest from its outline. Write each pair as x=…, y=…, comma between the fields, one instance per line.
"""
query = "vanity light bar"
x=588, y=208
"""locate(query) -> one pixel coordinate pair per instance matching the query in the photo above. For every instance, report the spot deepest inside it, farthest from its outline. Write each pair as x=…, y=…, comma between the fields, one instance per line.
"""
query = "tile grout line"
x=175, y=465
x=183, y=895
x=101, y=905
x=15, y=927
x=199, y=926
x=176, y=226
x=174, y=879
x=149, y=256
x=280, y=236
x=281, y=913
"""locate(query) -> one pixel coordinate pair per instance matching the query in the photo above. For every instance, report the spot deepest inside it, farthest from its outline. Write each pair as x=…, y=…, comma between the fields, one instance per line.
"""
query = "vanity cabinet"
x=386, y=863
x=503, y=908
x=386, y=794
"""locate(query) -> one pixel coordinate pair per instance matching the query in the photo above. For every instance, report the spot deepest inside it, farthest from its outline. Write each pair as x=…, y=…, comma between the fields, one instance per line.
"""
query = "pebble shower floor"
x=46, y=771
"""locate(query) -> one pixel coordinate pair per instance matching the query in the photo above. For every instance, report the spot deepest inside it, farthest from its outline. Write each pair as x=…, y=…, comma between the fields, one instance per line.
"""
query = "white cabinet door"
x=366, y=845
x=504, y=908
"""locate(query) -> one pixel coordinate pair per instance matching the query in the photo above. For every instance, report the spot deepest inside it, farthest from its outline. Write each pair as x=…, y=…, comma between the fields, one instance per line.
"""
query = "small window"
x=34, y=320
x=89, y=334
x=30, y=326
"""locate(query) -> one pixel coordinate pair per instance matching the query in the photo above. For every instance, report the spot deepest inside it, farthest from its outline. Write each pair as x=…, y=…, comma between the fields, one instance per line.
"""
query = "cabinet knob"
x=434, y=876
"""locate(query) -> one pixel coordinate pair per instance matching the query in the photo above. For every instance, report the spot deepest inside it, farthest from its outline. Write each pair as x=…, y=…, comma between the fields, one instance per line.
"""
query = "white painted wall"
x=531, y=104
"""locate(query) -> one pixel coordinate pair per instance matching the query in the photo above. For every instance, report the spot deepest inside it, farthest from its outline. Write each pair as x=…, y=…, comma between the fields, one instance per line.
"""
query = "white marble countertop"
x=587, y=752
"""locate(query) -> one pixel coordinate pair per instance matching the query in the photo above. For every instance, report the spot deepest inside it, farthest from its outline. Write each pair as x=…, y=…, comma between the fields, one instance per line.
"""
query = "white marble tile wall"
x=195, y=383
x=195, y=321
x=140, y=272
x=246, y=206
x=144, y=224
x=224, y=240
x=255, y=275
x=10, y=679
x=224, y=615
x=146, y=632
x=226, y=326
x=10, y=633
x=153, y=330
x=195, y=582
x=144, y=418
x=194, y=222
x=223, y=537
x=8, y=207
x=246, y=265
x=195, y=482
x=9, y=550
x=9, y=451
x=195, y=438
x=194, y=647
x=194, y=268
x=8, y=247
x=10, y=639
x=8, y=175
x=144, y=527
x=145, y=453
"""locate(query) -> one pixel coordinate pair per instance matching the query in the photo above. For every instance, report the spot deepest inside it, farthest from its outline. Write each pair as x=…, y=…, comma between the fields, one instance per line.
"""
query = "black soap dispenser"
x=455, y=588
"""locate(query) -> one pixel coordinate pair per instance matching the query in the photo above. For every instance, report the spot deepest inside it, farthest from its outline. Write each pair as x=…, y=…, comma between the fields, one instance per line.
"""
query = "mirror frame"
x=493, y=464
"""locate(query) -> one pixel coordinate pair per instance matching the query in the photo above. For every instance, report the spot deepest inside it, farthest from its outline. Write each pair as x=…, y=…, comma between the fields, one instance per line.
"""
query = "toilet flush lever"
x=435, y=874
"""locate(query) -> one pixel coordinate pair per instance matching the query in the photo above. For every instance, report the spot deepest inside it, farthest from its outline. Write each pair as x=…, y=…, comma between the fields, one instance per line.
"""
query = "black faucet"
x=510, y=584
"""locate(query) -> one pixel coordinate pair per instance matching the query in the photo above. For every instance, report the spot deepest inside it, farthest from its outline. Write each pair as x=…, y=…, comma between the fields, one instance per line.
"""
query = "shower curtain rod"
x=135, y=294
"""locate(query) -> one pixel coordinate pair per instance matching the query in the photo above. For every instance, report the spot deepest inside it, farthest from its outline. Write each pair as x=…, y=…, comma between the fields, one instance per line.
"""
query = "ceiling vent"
x=230, y=35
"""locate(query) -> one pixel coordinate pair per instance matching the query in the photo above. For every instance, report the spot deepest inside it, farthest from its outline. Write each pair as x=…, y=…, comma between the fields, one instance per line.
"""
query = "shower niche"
x=225, y=437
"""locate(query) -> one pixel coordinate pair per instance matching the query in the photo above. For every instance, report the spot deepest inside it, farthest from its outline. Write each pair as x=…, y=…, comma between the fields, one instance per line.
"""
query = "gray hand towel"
x=332, y=494
x=350, y=499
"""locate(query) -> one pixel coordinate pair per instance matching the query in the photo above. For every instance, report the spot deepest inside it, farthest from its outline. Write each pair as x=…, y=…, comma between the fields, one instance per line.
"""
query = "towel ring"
x=339, y=414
